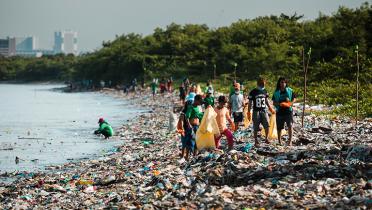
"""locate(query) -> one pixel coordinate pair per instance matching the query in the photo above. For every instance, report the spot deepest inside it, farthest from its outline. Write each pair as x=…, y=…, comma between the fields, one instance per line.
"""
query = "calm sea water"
x=44, y=127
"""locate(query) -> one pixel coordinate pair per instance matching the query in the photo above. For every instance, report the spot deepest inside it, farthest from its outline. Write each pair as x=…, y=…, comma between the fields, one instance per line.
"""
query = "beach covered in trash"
x=328, y=167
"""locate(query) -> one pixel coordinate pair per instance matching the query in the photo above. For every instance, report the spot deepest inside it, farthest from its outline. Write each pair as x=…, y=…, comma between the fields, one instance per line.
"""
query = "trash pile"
x=328, y=167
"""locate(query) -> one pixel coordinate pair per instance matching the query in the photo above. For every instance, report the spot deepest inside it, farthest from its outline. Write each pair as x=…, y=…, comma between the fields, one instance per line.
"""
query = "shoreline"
x=105, y=152
x=145, y=171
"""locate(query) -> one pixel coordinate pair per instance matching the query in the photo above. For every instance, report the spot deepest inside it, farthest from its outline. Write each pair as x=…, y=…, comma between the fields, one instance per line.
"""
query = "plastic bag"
x=273, y=133
x=205, y=140
x=207, y=129
x=172, y=122
x=247, y=120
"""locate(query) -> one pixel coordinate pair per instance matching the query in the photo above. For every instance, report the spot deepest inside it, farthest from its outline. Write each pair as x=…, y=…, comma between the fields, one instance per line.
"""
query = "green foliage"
x=270, y=46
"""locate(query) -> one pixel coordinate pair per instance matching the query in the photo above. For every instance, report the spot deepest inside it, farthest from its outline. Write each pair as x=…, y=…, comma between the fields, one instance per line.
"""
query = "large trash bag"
x=207, y=129
x=273, y=133
x=247, y=121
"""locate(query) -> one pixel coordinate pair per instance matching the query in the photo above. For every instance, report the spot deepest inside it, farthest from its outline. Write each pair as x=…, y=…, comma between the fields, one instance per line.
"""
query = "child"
x=259, y=98
x=237, y=105
x=223, y=115
x=181, y=127
x=104, y=129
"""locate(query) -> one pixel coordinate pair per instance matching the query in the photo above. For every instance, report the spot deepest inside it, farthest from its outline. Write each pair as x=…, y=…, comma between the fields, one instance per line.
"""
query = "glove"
x=232, y=126
x=181, y=131
x=286, y=104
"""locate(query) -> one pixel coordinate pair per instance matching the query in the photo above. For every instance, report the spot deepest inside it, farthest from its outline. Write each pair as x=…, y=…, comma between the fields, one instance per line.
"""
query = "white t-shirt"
x=237, y=102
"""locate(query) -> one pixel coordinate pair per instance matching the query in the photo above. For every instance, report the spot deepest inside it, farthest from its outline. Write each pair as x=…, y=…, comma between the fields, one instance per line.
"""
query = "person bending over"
x=104, y=129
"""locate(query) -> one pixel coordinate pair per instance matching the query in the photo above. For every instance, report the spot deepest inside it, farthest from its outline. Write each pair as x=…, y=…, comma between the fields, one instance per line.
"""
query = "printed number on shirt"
x=260, y=103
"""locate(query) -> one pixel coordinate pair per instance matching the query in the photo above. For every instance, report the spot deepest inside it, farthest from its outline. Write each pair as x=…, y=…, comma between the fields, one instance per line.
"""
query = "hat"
x=237, y=86
x=101, y=120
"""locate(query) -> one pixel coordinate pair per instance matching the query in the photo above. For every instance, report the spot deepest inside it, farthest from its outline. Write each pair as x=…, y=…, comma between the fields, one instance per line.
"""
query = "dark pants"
x=282, y=118
x=188, y=141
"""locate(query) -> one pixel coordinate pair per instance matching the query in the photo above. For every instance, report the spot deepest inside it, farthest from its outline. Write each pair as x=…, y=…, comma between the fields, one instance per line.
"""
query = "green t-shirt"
x=153, y=86
x=194, y=112
x=281, y=96
x=106, y=128
x=209, y=101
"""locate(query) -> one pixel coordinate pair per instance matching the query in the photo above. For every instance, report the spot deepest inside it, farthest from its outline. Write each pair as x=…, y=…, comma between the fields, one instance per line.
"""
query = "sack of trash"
x=247, y=120
x=273, y=132
x=207, y=129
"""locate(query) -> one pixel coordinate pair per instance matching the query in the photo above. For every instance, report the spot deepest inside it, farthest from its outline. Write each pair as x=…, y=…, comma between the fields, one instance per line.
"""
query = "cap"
x=100, y=120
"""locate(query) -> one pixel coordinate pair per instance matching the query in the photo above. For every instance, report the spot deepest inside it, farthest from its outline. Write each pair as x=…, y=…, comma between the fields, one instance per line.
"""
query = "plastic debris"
x=329, y=167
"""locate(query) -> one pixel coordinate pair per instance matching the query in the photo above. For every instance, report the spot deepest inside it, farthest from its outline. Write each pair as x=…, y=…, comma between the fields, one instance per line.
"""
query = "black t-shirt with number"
x=259, y=97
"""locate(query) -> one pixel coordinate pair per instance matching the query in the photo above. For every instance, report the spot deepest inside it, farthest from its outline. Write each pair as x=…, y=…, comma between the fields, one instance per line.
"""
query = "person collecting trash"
x=209, y=87
x=162, y=86
x=153, y=88
x=192, y=93
x=193, y=117
x=259, y=98
x=104, y=129
x=237, y=105
x=223, y=114
x=209, y=99
x=182, y=93
x=186, y=84
x=169, y=84
x=283, y=99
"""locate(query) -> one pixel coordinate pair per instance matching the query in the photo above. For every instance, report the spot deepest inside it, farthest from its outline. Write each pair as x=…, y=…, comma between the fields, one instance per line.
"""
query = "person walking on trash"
x=223, y=114
x=193, y=117
x=259, y=98
x=283, y=99
x=237, y=105
x=104, y=129
x=209, y=99
x=192, y=93
x=208, y=88
x=182, y=93
x=153, y=88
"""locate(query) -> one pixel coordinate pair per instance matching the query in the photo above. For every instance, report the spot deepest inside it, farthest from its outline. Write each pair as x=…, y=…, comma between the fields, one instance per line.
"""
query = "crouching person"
x=104, y=128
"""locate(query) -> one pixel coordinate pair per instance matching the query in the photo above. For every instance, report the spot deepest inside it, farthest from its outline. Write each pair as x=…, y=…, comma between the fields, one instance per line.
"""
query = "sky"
x=100, y=20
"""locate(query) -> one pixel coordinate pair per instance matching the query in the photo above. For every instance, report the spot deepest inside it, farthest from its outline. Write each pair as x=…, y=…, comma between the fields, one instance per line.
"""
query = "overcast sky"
x=99, y=20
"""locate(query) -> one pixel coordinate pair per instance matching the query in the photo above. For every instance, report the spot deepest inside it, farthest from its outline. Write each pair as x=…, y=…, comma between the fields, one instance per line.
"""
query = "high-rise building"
x=26, y=43
x=4, y=47
x=65, y=42
x=23, y=45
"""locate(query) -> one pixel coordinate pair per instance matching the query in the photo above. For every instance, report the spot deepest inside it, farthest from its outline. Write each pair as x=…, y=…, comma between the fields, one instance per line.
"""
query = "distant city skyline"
x=96, y=21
